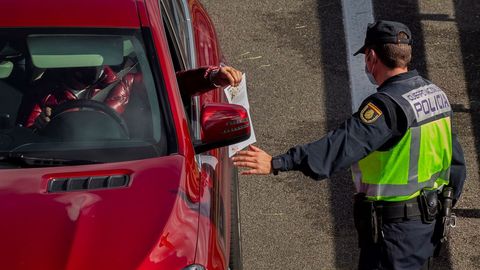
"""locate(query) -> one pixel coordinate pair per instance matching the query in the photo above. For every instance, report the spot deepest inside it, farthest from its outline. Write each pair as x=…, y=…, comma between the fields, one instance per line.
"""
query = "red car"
x=150, y=187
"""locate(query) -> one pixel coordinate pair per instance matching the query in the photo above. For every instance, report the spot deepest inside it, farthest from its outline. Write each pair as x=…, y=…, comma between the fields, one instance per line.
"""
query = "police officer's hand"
x=226, y=76
x=257, y=160
x=43, y=119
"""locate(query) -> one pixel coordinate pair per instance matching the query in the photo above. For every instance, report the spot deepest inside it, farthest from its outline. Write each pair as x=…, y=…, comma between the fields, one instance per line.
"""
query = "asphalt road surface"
x=294, y=54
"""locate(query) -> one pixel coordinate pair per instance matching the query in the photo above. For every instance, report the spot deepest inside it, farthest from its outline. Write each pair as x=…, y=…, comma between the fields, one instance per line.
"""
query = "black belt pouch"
x=429, y=206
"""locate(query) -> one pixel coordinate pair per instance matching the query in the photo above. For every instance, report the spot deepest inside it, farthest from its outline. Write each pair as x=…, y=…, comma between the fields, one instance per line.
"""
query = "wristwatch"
x=213, y=71
x=277, y=165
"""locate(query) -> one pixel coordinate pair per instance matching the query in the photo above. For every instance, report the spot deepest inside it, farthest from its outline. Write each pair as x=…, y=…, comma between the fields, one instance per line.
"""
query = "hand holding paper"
x=238, y=95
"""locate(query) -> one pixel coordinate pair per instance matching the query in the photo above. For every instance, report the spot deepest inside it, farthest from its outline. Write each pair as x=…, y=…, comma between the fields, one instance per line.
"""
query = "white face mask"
x=370, y=76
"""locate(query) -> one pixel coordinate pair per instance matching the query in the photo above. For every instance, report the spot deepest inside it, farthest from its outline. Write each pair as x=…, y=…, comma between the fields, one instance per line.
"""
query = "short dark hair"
x=394, y=55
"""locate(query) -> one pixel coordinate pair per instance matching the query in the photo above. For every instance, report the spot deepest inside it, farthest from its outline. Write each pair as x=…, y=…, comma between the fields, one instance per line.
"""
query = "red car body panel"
x=214, y=227
x=172, y=213
x=122, y=228
x=85, y=13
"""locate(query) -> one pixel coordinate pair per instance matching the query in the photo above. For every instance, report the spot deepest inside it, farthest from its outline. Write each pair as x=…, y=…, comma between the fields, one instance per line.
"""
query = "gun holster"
x=429, y=205
x=367, y=222
x=447, y=219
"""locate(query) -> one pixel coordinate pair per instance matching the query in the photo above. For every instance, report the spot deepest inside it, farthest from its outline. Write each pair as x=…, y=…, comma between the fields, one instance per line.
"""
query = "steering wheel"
x=91, y=104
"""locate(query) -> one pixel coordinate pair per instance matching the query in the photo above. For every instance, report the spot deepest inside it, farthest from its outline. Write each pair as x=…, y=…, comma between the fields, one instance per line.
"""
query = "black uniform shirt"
x=380, y=129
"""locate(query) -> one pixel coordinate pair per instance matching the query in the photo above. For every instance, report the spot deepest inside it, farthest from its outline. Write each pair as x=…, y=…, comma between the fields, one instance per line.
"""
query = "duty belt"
x=369, y=216
x=391, y=211
x=398, y=211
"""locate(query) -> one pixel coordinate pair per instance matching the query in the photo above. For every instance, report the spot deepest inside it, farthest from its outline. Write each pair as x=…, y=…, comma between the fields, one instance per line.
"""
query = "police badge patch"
x=370, y=113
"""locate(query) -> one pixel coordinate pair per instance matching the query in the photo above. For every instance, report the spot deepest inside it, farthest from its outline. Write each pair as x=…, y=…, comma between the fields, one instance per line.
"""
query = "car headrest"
x=6, y=68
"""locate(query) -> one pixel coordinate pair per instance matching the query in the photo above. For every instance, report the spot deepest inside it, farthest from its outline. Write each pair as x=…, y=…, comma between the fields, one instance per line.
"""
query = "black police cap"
x=382, y=32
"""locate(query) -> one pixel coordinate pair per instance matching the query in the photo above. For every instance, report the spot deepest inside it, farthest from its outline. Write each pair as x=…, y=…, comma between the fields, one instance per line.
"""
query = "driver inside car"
x=78, y=83
x=92, y=82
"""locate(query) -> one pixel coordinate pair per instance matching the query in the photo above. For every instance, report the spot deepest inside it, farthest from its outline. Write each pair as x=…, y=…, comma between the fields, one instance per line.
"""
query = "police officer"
x=401, y=151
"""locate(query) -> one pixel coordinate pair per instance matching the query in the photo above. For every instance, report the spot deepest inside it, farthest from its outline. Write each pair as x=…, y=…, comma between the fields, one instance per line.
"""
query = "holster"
x=366, y=220
x=447, y=219
x=429, y=205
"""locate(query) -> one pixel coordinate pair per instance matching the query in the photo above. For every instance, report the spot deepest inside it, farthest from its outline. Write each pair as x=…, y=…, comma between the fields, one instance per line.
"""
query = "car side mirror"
x=222, y=125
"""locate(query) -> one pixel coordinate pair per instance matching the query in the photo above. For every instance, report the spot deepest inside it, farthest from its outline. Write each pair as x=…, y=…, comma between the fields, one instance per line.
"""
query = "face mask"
x=370, y=76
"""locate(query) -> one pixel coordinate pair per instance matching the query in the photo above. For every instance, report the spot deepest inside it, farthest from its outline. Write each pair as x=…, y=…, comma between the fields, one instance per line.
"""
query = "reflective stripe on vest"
x=421, y=159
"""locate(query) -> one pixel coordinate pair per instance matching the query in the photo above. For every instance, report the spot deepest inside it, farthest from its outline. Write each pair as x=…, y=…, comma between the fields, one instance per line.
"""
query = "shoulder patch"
x=370, y=113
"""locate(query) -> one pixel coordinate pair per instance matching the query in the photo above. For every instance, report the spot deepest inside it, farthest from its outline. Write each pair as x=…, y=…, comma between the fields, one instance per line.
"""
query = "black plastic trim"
x=87, y=183
x=201, y=147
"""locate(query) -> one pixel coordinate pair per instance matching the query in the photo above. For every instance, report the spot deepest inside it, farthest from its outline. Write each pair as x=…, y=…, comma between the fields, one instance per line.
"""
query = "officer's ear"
x=371, y=55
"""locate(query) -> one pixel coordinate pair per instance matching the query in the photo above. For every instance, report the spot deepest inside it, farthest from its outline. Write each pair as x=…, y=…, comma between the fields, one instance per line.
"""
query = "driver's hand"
x=227, y=76
x=44, y=118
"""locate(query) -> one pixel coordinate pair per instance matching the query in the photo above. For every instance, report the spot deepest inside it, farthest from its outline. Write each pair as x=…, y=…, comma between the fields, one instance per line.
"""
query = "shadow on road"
x=338, y=108
x=467, y=213
x=468, y=24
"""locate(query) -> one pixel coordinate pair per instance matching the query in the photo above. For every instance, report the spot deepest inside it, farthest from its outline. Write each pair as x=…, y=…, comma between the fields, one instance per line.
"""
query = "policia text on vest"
x=428, y=101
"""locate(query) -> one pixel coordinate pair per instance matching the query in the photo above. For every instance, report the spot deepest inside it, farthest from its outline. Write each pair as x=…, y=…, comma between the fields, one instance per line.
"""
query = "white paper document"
x=238, y=95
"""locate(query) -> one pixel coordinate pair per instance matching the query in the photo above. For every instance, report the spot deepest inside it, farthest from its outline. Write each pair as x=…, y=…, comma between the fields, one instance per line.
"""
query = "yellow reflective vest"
x=422, y=157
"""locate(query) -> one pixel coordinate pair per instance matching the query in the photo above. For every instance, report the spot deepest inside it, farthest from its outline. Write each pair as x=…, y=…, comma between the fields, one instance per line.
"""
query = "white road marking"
x=356, y=15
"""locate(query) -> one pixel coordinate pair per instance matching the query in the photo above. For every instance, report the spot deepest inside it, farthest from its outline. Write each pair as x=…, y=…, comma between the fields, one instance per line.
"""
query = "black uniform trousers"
x=406, y=245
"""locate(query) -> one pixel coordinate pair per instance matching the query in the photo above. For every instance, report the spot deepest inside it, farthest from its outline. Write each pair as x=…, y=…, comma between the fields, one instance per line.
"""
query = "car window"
x=178, y=64
x=79, y=94
x=174, y=48
x=178, y=20
x=178, y=27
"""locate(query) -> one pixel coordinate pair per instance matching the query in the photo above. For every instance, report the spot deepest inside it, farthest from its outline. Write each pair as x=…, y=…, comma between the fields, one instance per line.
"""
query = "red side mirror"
x=223, y=124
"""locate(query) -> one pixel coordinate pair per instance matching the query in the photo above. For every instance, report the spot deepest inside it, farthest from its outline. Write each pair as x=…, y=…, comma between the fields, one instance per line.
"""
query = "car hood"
x=149, y=224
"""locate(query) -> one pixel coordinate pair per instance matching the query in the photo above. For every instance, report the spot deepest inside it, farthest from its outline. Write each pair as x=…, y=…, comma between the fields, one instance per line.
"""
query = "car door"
x=193, y=41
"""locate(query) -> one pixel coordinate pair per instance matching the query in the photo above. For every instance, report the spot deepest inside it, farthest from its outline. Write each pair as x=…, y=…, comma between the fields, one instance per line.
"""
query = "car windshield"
x=79, y=95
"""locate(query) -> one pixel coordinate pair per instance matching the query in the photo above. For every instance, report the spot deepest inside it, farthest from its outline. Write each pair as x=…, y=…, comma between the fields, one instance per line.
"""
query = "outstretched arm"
x=340, y=148
x=196, y=81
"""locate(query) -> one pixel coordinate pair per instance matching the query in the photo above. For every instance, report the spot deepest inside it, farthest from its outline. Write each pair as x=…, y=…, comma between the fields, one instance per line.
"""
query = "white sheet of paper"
x=238, y=95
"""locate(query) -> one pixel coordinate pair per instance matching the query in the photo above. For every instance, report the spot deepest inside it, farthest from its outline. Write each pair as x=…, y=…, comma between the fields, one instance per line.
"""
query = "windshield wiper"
x=32, y=161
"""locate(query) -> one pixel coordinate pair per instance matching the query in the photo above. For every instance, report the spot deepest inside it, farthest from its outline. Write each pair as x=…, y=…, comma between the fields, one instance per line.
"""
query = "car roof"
x=70, y=13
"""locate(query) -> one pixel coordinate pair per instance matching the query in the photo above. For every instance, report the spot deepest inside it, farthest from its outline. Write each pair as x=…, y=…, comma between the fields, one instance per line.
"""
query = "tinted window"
x=177, y=21
x=79, y=94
